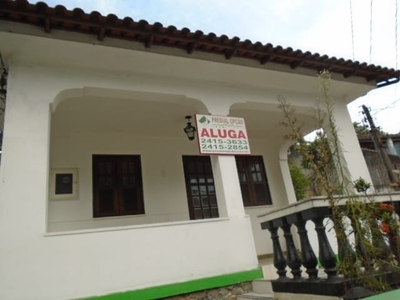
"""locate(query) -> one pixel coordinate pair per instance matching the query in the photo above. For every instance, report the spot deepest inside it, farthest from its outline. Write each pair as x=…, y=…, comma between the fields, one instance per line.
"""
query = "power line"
x=396, y=33
x=391, y=105
x=352, y=28
x=370, y=32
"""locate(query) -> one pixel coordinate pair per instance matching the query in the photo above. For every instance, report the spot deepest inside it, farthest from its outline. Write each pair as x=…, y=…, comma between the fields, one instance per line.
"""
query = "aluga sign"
x=222, y=135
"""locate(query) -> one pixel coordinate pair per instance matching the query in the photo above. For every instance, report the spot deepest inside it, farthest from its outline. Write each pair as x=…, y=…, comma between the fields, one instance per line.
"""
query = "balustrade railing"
x=295, y=216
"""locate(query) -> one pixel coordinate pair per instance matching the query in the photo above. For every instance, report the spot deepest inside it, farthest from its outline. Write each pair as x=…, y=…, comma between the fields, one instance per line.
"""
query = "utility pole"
x=379, y=145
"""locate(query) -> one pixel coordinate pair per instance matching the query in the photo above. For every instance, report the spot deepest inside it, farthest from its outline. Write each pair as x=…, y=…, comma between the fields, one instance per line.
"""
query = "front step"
x=256, y=296
x=262, y=290
x=262, y=286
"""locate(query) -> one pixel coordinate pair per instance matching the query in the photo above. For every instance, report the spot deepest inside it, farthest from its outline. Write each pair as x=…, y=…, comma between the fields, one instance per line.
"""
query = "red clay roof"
x=94, y=23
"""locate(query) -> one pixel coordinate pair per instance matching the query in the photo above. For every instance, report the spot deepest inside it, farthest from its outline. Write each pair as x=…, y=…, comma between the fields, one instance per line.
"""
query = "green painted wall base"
x=183, y=287
x=392, y=295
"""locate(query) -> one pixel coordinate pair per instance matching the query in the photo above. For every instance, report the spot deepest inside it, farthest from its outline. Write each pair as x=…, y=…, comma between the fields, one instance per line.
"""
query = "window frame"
x=117, y=177
x=245, y=161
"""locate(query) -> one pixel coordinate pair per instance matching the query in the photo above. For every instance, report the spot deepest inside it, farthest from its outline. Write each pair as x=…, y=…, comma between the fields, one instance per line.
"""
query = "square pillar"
x=25, y=161
x=287, y=178
x=227, y=186
x=226, y=179
x=350, y=151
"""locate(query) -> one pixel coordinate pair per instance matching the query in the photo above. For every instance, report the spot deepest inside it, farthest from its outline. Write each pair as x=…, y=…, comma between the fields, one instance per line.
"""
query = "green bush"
x=300, y=182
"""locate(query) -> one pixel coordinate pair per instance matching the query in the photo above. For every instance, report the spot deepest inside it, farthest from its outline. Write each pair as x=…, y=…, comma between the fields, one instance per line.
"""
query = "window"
x=63, y=184
x=117, y=185
x=253, y=180
x=200, y=188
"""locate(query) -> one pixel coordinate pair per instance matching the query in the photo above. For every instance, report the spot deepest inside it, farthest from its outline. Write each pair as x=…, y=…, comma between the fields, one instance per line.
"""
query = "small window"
x=117, y=185
x=253, y=180
x=63, y=184
x=202, y=199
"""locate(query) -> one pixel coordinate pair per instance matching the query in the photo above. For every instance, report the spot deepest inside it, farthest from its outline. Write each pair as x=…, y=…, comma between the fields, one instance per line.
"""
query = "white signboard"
x=222, y=135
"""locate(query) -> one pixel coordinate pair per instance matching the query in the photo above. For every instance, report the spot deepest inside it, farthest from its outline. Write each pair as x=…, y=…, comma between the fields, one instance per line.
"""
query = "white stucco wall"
x=164, y=187
x=87, y=264
x=163, y=179
x=137, y=256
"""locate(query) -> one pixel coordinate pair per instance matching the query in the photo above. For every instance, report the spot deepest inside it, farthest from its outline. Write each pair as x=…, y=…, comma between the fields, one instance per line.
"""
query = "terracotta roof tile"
x=94, y=23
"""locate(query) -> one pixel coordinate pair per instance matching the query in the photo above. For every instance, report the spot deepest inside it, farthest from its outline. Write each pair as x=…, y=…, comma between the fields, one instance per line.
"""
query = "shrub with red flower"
x=388, y=226
x=385, y=228
x=386, y=207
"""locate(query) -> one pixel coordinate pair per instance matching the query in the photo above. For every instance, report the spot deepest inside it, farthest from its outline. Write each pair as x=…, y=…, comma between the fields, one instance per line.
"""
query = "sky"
x=361, y=30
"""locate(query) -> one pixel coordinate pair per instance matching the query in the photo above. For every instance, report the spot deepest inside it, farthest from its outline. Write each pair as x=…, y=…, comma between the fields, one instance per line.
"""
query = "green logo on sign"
x=204, y=120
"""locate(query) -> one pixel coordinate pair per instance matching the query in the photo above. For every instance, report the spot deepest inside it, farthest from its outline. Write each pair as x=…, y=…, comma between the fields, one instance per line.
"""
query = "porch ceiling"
x=133, y=116
x=161, y=118
x=267, y=124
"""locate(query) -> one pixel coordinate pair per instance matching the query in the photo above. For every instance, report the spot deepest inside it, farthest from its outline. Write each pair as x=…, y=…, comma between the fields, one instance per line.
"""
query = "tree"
x=363, y=130
x=360, y=129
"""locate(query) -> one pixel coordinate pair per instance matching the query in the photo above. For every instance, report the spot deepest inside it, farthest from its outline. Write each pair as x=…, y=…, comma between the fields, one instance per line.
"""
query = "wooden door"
x=202, y=199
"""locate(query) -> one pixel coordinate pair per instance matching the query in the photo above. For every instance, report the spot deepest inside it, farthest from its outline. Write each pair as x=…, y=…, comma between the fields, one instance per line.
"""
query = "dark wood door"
x=202, y=199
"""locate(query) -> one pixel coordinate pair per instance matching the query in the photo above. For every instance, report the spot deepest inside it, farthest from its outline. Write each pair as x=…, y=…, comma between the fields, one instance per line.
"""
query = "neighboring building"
x=390, y=141
x=377, y=169
x=100, y=189
x=378, y=172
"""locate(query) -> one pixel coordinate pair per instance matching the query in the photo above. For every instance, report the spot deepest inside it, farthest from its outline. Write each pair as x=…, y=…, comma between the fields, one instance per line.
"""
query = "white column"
x=227, y=186
x=24, y=167
x=287, y=178
x=350, y=148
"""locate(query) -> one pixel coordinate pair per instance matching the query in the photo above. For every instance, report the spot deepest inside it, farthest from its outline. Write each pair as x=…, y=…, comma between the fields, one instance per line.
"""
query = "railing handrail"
x=322, y=201
x=283, y=222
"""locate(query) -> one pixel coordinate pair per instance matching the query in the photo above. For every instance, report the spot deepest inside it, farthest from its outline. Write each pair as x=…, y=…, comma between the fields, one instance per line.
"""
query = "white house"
x=101, y=191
